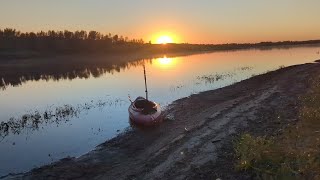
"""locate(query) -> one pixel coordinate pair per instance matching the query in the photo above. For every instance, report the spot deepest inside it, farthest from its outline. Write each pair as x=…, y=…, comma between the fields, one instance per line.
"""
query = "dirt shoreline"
x=197, y=142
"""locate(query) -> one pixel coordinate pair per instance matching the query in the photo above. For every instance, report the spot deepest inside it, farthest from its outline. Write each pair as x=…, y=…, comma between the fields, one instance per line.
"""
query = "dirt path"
x=197, y=142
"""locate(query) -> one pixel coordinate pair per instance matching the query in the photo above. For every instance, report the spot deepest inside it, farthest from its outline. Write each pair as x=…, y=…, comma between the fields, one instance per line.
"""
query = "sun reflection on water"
x=165, y=62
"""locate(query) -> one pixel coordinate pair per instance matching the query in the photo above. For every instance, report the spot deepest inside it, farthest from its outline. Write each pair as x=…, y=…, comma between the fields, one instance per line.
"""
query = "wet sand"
x=196, y=142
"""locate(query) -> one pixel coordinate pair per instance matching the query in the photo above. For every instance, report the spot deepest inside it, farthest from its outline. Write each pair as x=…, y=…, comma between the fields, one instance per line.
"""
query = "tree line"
x=12, y=39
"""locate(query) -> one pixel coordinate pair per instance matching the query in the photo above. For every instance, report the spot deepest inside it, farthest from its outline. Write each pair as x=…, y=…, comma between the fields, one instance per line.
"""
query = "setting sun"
x=164, y=40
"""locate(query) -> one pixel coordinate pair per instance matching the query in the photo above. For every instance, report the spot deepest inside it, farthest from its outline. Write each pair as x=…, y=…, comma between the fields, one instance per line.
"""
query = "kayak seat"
x=147, y=107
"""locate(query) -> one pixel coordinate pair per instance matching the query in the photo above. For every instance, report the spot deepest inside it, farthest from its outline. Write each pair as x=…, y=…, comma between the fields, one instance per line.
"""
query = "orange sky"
x=202, y=21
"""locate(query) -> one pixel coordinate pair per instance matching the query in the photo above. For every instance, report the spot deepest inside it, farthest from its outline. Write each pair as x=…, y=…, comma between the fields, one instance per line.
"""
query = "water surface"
x=98, y=96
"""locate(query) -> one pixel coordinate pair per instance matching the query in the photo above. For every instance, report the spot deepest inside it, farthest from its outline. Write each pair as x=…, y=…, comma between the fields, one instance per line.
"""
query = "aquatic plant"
x=211, y=78
x=176, y=87
x=245, y=68
x=61, y=114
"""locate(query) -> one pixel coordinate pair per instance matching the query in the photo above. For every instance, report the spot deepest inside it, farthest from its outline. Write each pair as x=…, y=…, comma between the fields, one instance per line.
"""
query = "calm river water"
x=48, y=118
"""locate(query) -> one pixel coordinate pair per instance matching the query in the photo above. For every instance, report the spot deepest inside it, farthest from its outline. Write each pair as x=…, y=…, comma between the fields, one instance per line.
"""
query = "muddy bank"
x=197, y=142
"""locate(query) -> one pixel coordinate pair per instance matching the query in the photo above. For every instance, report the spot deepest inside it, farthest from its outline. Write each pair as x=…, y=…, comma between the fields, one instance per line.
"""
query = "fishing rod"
x=145, y=81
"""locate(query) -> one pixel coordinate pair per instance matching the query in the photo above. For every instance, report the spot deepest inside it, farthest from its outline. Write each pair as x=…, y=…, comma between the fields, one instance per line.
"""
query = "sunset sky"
x=192, y=21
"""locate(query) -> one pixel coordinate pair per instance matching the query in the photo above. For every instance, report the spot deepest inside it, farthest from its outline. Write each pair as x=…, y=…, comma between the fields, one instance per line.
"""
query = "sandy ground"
x=196, y=141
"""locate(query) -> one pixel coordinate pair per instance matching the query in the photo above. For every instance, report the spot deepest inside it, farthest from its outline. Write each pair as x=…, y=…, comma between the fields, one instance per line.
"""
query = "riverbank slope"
x=196, y=142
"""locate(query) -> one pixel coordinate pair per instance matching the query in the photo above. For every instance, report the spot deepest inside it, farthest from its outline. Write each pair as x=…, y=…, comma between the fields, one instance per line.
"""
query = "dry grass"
x=293, y=155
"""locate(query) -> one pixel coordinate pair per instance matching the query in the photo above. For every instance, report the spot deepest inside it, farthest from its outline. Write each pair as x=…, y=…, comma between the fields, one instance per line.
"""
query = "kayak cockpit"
x=145, y=106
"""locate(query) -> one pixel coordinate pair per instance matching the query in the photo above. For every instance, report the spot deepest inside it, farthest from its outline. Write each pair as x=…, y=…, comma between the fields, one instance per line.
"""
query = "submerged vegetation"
x=32, y=121
x=211, y=78
x=295, y=154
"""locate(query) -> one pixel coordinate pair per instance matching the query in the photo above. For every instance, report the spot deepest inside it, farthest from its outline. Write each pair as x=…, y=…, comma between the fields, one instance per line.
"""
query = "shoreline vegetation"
x=20, y=45
x=295, y=153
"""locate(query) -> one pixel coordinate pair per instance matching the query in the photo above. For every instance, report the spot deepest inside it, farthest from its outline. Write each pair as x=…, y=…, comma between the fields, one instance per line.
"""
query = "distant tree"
x=68, y=34
x=141, y=41
x=22, y=35
x=41, y=34
x=83, y=35
x=52, y=34
x=10, y=33
x=32, y=35
x=77, y=35
x=115, y=38
x=60, y=35
x=93, y=35
x=99, y=36
x=80, y=35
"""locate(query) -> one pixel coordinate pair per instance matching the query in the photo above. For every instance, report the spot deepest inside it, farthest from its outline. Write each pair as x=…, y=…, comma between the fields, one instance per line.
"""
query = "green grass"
x=293, y=155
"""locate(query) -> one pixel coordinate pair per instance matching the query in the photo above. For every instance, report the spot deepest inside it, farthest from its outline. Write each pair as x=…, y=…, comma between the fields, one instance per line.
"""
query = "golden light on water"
x=165, y=62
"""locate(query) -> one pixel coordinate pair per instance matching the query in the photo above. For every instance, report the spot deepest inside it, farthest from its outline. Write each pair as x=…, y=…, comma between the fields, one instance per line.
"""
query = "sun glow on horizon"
x=164, y=39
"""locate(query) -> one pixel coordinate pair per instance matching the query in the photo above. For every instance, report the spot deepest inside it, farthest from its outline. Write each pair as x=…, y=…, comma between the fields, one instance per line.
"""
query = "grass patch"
x=293, y=155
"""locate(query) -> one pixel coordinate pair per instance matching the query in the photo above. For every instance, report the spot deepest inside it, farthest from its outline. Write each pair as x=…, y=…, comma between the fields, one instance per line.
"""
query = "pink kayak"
x=144, y=112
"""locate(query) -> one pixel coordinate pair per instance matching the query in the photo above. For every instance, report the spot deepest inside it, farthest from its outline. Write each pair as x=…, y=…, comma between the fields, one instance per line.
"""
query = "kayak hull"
x=137, y=116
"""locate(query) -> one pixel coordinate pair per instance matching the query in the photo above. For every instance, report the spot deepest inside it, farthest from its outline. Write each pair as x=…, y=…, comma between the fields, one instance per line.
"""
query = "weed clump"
x=293, y=155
